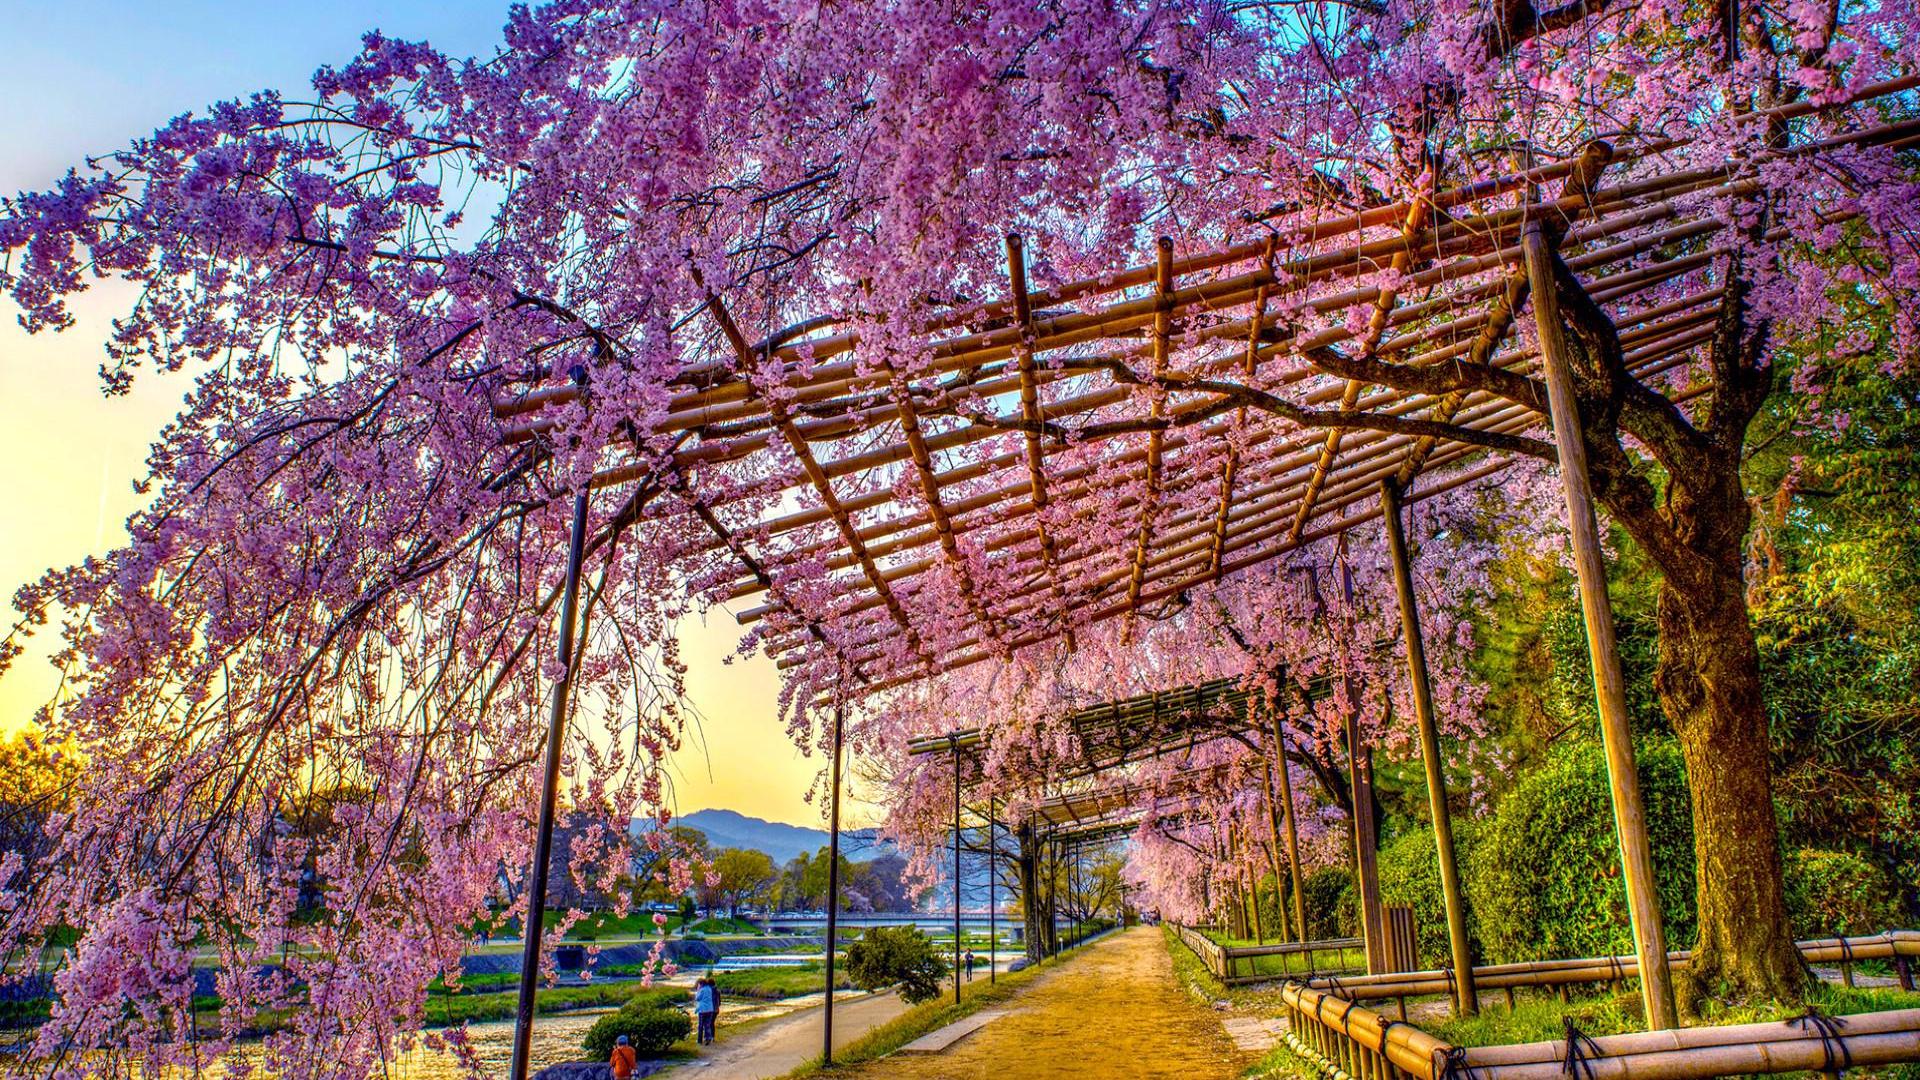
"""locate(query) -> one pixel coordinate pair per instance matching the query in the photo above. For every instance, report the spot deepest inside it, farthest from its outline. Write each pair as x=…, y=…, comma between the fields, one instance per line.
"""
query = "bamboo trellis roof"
x=908, y=488
x=1116, y=732
x=1104, y=813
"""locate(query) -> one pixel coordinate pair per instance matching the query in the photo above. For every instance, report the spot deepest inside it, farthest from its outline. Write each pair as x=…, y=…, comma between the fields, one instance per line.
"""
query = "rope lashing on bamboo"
x=1830, y=1039
x=1581, y=1051
x=1346, y=1012
x=1451, y=1064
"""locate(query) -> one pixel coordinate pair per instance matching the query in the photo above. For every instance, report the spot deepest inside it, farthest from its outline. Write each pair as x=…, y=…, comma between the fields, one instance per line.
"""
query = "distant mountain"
x=729, y=828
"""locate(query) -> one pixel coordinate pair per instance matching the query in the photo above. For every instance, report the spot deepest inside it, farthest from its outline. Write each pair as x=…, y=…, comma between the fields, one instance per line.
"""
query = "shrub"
x=1543, y=877
x=1838, y=893
x=651, y=1028
x=886, y=955
x=1410, y=876
x=1333, y=910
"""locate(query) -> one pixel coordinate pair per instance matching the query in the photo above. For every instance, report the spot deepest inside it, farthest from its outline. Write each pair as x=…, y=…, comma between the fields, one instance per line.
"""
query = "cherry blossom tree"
x=349, y=563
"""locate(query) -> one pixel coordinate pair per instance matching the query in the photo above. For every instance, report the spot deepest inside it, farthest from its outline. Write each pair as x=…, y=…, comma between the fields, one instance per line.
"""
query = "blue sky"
x=81, y=76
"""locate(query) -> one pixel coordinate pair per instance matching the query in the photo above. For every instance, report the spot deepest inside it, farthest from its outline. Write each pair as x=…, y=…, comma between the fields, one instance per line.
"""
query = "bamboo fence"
x=1239, y=964
x=1343, y=1040
x=1901, y=947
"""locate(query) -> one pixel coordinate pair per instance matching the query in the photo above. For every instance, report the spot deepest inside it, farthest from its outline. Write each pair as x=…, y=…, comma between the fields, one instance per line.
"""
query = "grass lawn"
x=451, y=1009
x=1324, y=961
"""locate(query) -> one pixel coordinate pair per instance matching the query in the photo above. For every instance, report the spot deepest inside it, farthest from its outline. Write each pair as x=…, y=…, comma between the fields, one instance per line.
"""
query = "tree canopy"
x=669, y=249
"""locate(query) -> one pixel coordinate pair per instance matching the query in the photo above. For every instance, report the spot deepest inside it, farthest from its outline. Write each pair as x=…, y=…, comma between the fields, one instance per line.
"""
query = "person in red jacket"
x=623, y=1061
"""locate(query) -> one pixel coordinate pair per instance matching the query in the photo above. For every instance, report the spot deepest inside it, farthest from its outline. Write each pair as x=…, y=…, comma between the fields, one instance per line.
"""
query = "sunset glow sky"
x=84, y=77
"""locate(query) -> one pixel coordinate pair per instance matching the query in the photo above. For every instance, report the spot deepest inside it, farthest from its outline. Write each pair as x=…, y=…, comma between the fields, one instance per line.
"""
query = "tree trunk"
x=1707, y=676
x=1708, y=679
x=1033, y=910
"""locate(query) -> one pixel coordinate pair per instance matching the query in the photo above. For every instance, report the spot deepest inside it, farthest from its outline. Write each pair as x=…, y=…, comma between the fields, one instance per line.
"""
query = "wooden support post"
x=1293, y=832
x=993, y=876
x=1629, y=811
x=833, y=882
x=955, y=740
x=533, y=925
x=1466, y=1001
x=1366, y=849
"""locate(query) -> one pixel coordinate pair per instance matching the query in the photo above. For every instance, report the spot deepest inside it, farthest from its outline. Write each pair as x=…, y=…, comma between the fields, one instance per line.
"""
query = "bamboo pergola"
x=1118, y=733
x=891, y=516
x=1226, y=398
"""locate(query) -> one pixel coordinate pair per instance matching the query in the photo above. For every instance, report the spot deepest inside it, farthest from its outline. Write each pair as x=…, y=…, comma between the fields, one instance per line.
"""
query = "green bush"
x=1410, y=877
x=651, y=1028
x=1333, y=911
x=1838, y=893
x=1543, y=877
x=886, y=955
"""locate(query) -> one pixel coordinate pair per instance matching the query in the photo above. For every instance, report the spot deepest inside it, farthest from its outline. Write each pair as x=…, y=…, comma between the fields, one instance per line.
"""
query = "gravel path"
x=1114, y=1011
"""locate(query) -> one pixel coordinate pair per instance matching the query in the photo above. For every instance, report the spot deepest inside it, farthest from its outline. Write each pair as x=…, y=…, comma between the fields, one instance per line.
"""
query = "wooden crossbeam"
x=1031, y=412
x=930, y=492
x=778, y=410
x=1265, y=518
x=1388, y=402
x=1579, y=187
x=1156, y=405
x=1357, y=481
x=1606, y=288
x=1377, y=324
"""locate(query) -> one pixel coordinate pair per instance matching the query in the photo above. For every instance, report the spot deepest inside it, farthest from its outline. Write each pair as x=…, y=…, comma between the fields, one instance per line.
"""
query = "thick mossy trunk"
x=1708, y=680
x=1034, y=910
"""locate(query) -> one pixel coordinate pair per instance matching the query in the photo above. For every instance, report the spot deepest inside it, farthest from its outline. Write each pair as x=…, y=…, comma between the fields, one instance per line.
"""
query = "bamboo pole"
x=833, y=884
x=1630, y=816
x=1279, y=759
x=534, y=927
x=1366, y=854
x=1466, y=1002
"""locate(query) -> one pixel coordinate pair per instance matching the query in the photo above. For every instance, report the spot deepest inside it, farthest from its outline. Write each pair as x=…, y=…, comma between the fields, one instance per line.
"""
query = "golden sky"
x=68, y=460
x=85, y=76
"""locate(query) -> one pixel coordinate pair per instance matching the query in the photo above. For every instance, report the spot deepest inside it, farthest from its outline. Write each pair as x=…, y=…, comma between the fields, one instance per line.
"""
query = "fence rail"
x=1236, y=964
x=1900, y=946
x=1343, y=1040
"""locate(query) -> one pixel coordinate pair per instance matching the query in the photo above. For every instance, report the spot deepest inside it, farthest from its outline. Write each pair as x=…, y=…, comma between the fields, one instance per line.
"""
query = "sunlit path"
x=1117, y=1010
x=785, y=1044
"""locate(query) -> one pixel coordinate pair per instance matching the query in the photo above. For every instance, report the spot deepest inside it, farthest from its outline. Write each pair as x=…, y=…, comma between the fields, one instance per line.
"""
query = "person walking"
x=706, y=1006
x=969, y=959
x=623, y=1063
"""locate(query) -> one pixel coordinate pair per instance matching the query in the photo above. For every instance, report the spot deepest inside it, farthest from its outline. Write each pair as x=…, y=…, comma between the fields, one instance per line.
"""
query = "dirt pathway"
x=1115, y=1011
x=782, y=1045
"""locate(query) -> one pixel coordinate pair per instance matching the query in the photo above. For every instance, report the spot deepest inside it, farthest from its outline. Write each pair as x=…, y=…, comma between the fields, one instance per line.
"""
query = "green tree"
x=886, y=955
x=740, y=875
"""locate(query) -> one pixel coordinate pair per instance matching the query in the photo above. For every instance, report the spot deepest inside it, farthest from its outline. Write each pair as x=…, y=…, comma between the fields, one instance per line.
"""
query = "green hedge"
x=651, y=1028
x=1543, y=874
x=1838, y=893
x=1333, y=910
x=1410, y=876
